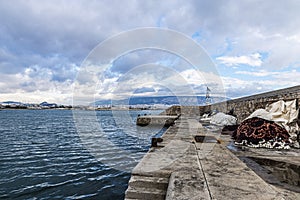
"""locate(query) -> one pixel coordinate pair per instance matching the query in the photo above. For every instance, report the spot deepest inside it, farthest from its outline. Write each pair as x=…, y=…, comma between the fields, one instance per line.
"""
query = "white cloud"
x=252, y=60
x=276, y=78
x=35, y=85
x=290, y=76
x=57, y=36
x=260, y=73
x=236, y=87
x=294, y=38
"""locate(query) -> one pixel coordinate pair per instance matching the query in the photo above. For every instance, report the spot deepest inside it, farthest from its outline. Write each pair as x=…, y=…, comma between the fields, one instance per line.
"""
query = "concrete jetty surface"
x=182, y=168
x=166, y=120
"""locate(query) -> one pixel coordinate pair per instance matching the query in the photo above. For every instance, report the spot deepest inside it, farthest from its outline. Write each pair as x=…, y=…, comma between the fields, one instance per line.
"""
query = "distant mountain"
x=46, y=104
x=43, y=104
x=165, y=100
x=11, y=103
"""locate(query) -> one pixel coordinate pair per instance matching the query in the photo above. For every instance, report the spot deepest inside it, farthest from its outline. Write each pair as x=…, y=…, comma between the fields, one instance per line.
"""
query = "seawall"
x=241, y=107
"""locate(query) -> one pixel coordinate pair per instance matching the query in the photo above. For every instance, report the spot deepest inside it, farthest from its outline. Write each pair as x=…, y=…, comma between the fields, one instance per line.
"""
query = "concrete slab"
x=166, y=120
x=189, y=185
x=203, y=170
x=228, y=176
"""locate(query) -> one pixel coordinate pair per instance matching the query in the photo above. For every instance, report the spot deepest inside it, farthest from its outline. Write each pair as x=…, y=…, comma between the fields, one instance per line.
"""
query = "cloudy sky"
x=44, y=45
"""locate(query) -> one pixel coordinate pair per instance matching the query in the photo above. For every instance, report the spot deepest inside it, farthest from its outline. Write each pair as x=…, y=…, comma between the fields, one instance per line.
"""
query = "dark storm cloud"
x=72, y=28
x=144, y=56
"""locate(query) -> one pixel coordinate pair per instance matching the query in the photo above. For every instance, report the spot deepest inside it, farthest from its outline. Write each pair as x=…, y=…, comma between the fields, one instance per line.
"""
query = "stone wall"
x=241, y=107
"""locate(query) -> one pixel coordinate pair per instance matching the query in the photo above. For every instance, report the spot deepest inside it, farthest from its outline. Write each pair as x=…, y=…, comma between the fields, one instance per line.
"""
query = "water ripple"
x=42, y=156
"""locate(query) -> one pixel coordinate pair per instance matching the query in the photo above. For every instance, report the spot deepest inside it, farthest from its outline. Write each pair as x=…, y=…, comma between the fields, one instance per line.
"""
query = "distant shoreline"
x=84, y=109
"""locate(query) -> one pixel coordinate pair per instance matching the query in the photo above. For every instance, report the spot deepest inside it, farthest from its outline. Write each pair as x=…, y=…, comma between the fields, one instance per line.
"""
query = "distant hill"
x=46, y=104
x=164, y=100
x=11, y=103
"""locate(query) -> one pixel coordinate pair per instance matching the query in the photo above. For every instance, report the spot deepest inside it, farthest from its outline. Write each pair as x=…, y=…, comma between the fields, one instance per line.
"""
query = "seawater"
x=42, y=156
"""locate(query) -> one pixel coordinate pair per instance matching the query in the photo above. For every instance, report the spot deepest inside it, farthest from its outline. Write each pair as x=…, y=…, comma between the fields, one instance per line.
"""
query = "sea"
x=45, y=154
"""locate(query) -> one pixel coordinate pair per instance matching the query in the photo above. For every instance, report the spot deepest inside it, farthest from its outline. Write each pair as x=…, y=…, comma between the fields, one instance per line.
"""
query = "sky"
x=46, y=48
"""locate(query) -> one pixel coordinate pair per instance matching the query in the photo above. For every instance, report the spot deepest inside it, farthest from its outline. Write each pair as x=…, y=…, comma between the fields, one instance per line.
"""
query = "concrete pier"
x=183, y=168
x=166, y=120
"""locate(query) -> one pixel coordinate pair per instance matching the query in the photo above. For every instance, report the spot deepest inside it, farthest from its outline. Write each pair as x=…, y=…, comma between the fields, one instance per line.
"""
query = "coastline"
x=80, y=108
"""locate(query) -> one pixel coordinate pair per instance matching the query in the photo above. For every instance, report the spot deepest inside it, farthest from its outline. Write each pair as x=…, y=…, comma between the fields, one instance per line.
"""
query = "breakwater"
x=193, y=162
x=240, y=107
x=186, y=167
